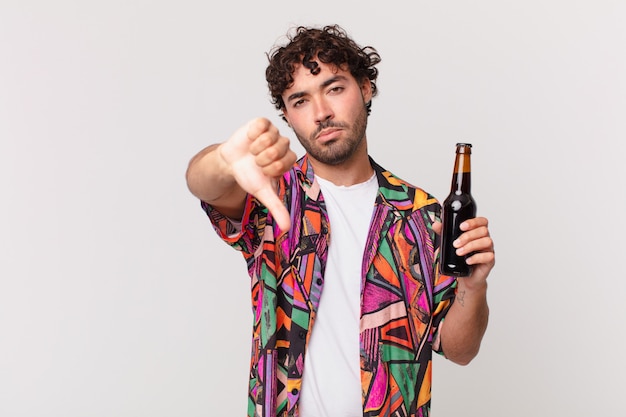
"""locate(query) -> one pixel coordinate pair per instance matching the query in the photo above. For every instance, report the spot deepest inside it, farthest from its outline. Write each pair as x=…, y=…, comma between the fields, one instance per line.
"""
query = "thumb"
x=268, y=197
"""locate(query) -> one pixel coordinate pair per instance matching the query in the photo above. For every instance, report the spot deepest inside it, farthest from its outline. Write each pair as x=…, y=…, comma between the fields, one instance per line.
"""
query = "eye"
x=335, y=89
x=298, y=103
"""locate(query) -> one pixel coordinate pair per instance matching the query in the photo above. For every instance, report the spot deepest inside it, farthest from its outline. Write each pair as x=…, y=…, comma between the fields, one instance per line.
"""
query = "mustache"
x=325, y=125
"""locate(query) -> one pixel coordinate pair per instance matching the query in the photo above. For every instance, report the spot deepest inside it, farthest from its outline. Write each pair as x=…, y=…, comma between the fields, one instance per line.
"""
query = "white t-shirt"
x=331, y=384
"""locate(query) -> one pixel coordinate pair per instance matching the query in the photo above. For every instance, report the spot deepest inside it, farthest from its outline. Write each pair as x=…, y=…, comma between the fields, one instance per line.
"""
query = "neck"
x=354, y=171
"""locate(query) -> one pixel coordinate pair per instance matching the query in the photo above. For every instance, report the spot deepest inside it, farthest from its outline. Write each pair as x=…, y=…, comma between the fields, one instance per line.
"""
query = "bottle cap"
x=464, y=148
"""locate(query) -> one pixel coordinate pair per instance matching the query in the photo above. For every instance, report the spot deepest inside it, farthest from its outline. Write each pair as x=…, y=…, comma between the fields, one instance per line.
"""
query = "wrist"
x=224, y=167
x=470, y=285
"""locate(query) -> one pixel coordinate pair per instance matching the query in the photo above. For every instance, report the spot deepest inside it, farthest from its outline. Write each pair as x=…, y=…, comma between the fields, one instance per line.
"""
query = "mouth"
x=327, y=134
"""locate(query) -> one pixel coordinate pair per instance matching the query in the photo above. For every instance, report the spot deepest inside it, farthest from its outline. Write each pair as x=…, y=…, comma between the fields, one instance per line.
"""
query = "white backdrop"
x=116, y=297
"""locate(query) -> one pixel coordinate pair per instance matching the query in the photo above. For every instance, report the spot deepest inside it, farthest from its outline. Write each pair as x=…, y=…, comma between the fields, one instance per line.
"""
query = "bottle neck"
x=461, y=178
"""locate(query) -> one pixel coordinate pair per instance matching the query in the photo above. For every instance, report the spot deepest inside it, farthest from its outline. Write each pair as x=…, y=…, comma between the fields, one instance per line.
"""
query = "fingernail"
x=456, y=243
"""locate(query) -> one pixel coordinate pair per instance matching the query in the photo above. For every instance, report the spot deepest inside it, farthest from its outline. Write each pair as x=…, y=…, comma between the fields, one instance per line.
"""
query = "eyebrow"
x=325, y=84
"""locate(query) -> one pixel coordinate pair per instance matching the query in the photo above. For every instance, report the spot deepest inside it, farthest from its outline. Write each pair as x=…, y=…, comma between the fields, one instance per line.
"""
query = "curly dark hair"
x=330, y=45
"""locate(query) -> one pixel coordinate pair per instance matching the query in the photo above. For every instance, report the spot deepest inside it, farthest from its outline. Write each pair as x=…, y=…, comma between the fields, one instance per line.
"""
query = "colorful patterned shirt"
x=403, y=298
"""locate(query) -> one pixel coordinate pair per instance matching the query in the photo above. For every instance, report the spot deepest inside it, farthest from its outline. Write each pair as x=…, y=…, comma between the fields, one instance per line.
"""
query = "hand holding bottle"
x=475, y=245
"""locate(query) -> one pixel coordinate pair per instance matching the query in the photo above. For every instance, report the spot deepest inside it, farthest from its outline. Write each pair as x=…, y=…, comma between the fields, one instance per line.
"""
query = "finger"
x=256, y=127
x=437, y=227
x=273, y=152
x=279, y=167
x=474, y=223
x=470, y=235
x=487, y=258
x=484, y=244
x=264, y=139
x=268, y=197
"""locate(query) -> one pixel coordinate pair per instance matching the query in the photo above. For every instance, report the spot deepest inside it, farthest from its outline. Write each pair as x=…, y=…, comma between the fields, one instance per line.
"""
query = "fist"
x=257, y=154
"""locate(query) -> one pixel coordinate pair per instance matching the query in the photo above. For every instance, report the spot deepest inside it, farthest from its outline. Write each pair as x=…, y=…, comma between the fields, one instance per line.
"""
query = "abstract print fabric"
x=403, y=298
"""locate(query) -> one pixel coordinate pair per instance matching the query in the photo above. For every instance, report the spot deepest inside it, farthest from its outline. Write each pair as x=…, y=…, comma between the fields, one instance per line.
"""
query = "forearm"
x=465, y=323
x=210, y=179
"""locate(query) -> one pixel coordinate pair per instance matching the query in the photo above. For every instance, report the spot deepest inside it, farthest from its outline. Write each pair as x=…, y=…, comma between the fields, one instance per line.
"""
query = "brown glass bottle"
x=457, y=207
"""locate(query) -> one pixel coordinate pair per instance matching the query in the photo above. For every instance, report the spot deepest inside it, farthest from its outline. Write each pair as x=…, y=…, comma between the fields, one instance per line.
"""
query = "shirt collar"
x=387, y=183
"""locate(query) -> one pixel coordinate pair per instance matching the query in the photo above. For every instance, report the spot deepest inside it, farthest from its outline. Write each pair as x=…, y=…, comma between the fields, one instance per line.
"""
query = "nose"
x=323, y=111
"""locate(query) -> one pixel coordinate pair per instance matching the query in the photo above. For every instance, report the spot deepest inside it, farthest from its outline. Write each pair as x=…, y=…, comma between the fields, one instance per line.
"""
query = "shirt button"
x=302, y=334
x=294, y=391
x=319, y=281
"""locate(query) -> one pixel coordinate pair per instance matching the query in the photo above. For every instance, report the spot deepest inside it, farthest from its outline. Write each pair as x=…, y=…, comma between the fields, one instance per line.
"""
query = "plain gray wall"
x=117, y=298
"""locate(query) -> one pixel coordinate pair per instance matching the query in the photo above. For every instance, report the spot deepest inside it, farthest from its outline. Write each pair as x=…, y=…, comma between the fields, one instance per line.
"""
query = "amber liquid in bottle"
x=457, y=207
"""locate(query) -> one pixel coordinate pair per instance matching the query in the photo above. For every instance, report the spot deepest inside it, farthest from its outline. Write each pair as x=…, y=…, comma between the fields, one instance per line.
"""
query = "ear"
x=285, y=117
x=366, y=90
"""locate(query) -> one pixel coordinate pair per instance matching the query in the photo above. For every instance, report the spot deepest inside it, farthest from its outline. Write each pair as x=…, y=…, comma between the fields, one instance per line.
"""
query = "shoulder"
x=402, y=193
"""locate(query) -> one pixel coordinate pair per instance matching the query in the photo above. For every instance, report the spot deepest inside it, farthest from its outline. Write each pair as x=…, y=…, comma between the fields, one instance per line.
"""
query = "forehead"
x=303, y=75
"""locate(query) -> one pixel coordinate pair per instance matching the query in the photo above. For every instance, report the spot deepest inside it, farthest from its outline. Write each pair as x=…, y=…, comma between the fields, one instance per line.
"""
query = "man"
x=347, y=300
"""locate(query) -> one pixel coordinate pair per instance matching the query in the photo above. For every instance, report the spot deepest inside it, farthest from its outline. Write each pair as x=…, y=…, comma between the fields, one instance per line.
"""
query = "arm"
x=466, y=321
x=248, y=162
x=210, y=179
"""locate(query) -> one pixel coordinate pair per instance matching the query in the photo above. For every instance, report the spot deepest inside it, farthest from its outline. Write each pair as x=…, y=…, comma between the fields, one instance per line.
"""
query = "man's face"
x=328, y=112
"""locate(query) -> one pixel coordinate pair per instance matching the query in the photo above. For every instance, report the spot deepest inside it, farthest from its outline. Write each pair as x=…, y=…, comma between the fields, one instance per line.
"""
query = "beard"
x=336, y=151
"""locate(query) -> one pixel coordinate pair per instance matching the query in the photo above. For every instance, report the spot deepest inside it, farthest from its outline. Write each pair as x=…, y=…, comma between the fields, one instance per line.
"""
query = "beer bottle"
x=457, y=207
